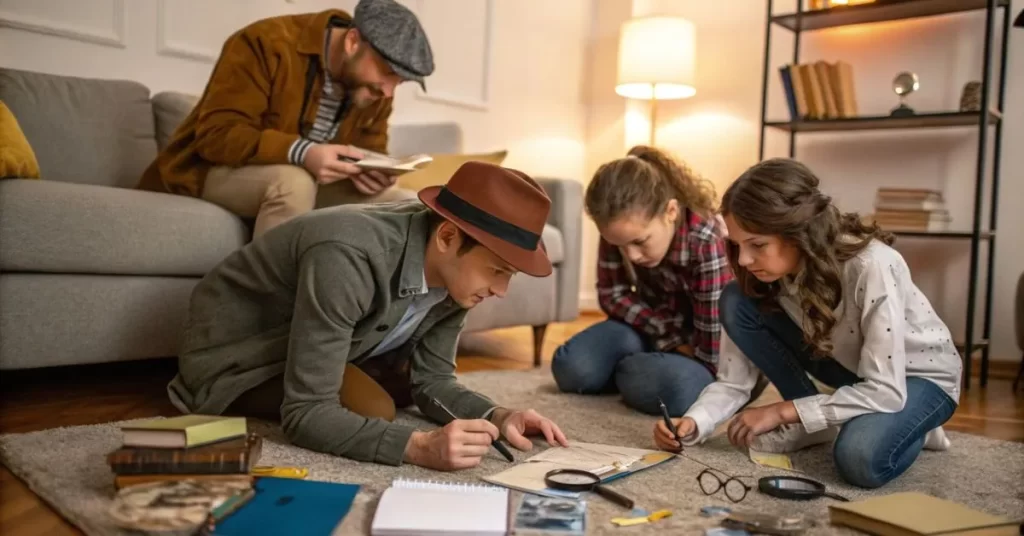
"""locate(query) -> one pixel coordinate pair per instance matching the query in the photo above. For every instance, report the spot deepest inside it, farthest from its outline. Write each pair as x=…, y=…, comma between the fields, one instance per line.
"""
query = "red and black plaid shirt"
x=687, y=282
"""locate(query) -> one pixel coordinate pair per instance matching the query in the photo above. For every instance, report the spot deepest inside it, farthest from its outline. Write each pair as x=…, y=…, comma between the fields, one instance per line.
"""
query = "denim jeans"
x=871, y=449
x=613, y=357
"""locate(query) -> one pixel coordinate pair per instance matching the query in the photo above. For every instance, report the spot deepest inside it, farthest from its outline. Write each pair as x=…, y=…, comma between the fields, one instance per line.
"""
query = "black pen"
x=668, y=422
x=496, y=444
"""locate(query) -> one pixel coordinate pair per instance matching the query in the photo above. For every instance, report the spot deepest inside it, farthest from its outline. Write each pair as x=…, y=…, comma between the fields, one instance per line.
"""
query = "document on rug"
x=606, y=461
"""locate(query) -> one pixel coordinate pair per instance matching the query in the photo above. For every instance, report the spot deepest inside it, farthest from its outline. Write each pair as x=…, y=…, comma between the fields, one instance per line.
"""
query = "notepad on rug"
x=427, y=507
x=918, y=514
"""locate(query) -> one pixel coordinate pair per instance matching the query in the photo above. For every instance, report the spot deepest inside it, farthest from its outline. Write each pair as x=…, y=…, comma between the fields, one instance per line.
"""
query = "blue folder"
x=292, y=507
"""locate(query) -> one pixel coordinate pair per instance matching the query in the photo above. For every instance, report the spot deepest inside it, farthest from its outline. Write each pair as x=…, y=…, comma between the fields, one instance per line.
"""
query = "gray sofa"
x=92, y=270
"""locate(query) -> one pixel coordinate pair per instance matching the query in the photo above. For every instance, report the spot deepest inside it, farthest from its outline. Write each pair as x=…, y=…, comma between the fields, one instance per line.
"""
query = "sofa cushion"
x=170, y=108
x=552, y=238
x=76, y=228
x=416, y=138
x=83, y=130
x=16, y=156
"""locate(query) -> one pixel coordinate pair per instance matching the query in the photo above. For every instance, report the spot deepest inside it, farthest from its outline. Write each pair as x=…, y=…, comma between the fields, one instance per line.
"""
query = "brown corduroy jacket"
x=264, y=91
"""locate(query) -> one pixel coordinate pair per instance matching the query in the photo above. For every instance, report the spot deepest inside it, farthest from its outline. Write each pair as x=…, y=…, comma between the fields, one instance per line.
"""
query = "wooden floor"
x=36, y=400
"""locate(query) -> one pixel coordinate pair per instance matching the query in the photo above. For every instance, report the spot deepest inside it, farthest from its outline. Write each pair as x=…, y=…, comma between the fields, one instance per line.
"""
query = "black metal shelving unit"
x=891, y=10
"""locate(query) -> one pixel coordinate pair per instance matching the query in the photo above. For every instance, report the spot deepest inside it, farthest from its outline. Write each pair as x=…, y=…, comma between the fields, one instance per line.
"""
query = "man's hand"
x=461, y=444
x=325, y=162
x=516, y=425
x=373, y=182
x=754, y=422
x=663, y=436
x=685, y=349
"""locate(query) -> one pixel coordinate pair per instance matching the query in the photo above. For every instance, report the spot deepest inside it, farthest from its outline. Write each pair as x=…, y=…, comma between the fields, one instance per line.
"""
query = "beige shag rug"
x=67, y=467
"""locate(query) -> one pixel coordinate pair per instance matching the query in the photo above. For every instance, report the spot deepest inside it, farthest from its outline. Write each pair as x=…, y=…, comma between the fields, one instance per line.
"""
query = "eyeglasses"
x=710, y=483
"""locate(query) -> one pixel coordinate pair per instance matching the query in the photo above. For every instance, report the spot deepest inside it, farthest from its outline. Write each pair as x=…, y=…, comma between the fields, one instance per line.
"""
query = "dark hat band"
x=486, y=222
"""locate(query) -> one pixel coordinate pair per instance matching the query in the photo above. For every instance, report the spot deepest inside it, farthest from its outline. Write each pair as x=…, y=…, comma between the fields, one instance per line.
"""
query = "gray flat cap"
x=396, y=34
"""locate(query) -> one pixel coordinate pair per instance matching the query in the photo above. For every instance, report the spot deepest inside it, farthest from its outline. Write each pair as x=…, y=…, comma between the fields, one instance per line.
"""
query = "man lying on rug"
x=835, y=292
x=375, y=296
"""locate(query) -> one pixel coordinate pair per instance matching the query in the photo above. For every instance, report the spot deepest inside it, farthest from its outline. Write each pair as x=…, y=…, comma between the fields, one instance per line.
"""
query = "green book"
x=183, y=432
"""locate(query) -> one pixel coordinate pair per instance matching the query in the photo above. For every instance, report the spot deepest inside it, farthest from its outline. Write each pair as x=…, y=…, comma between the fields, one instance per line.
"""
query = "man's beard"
x=350, y=82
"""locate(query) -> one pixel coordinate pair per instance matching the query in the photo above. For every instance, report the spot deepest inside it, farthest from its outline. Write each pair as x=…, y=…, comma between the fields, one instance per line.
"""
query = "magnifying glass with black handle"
x=577, y=480
x=795, y=488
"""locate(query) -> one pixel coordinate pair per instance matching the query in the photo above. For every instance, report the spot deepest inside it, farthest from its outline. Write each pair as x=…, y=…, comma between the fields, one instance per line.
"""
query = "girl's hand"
x=663, y=436
x=754, y=422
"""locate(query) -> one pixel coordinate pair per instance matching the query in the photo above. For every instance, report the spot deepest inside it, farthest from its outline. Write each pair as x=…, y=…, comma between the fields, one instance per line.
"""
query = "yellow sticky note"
x=767, y=459
x=629, y=521
x=660, y=514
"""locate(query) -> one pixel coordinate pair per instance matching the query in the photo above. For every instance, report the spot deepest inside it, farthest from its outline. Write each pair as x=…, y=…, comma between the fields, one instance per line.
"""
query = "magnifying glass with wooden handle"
x=577, y=480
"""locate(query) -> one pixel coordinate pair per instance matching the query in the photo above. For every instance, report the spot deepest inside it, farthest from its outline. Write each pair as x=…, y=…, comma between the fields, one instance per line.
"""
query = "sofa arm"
x=567, y=216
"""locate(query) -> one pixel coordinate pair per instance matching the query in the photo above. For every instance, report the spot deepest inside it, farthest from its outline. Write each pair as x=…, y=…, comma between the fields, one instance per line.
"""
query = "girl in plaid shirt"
x=661, y=268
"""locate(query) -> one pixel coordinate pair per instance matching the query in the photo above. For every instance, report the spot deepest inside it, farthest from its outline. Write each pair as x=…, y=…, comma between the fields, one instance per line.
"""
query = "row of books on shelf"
x=910, y=209
x=819, y=90
x=194, y=447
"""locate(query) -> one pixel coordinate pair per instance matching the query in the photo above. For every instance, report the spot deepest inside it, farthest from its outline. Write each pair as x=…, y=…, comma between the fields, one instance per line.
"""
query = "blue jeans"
x=871, y=449
x=612, y=356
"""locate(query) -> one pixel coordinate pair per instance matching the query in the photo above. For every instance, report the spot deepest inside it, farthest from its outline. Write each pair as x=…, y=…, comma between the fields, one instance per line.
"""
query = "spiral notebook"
x=428, y=507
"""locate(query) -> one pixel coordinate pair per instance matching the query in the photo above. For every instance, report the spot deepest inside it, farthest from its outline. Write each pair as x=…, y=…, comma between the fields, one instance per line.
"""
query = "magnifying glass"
x=577, y=480
x=795, y=488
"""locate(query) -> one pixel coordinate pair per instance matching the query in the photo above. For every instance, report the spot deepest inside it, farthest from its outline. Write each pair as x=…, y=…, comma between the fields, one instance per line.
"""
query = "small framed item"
x=766, y=524
x=549, y=515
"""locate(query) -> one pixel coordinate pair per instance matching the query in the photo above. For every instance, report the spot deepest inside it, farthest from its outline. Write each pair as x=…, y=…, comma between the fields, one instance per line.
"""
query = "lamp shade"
x=656, y=58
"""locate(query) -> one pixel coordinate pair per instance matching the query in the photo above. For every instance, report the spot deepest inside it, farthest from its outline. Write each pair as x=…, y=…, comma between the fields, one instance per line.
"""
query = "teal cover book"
x=292, y=507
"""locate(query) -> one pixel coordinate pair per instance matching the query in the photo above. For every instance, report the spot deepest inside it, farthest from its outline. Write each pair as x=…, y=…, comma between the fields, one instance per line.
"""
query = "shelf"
x=978, y=345
x=984, y=235
x=934, y=120
x=878, y=11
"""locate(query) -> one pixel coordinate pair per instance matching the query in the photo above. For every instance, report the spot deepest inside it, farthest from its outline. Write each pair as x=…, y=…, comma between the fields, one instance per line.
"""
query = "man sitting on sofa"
x=289, y=101
x=375, y=296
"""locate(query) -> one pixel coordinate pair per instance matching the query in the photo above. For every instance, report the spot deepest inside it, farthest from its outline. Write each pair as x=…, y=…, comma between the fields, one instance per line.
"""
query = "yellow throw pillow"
x=16, y=157
x=443, y=167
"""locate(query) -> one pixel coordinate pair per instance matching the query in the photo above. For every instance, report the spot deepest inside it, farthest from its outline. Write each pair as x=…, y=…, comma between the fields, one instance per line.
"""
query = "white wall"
x=511, y=79
x=717, y=130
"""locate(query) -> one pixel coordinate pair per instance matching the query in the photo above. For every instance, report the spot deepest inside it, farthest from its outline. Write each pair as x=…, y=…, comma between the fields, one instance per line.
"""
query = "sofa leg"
x=538, y=343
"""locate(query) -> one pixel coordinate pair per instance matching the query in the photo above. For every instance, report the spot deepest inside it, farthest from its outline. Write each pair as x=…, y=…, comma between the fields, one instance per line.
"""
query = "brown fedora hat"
x=502, y=209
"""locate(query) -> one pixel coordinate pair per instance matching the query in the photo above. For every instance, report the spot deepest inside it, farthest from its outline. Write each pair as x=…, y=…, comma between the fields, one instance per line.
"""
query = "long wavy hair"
x=781, y=197
x=642, y=183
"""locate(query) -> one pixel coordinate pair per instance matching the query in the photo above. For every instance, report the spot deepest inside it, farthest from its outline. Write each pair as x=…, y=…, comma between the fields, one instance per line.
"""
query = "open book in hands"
x=392, y=166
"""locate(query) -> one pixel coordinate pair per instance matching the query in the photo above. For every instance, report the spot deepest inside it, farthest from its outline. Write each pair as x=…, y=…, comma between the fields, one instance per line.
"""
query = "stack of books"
x=910, y=209
x=819, y=90
x=196, y=447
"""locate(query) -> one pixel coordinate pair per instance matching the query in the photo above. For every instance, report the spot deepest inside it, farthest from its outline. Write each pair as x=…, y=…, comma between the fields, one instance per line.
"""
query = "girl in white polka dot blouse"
x=819, y=294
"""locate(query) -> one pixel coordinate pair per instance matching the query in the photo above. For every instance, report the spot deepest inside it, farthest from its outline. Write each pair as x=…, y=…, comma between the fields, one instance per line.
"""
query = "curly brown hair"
x=644, y=182
x=781, y=197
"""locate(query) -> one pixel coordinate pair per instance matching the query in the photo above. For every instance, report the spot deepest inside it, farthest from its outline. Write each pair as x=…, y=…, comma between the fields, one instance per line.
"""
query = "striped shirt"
x=327, y=116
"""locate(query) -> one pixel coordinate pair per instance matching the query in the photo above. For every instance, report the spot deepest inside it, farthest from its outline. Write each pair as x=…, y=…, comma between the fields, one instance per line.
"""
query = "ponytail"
x=643, y=183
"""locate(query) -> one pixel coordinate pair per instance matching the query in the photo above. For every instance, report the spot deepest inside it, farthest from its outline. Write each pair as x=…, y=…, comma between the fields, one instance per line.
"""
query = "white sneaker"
x=791, y=438
x=936, y=439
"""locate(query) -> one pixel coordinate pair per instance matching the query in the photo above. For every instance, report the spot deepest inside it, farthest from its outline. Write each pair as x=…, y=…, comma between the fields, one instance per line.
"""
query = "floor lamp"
x=656, y=60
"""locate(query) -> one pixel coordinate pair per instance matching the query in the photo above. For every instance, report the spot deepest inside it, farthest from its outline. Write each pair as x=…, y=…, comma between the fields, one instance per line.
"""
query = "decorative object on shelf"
x=904, y=84
x=970, y=97
x=657, y=55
